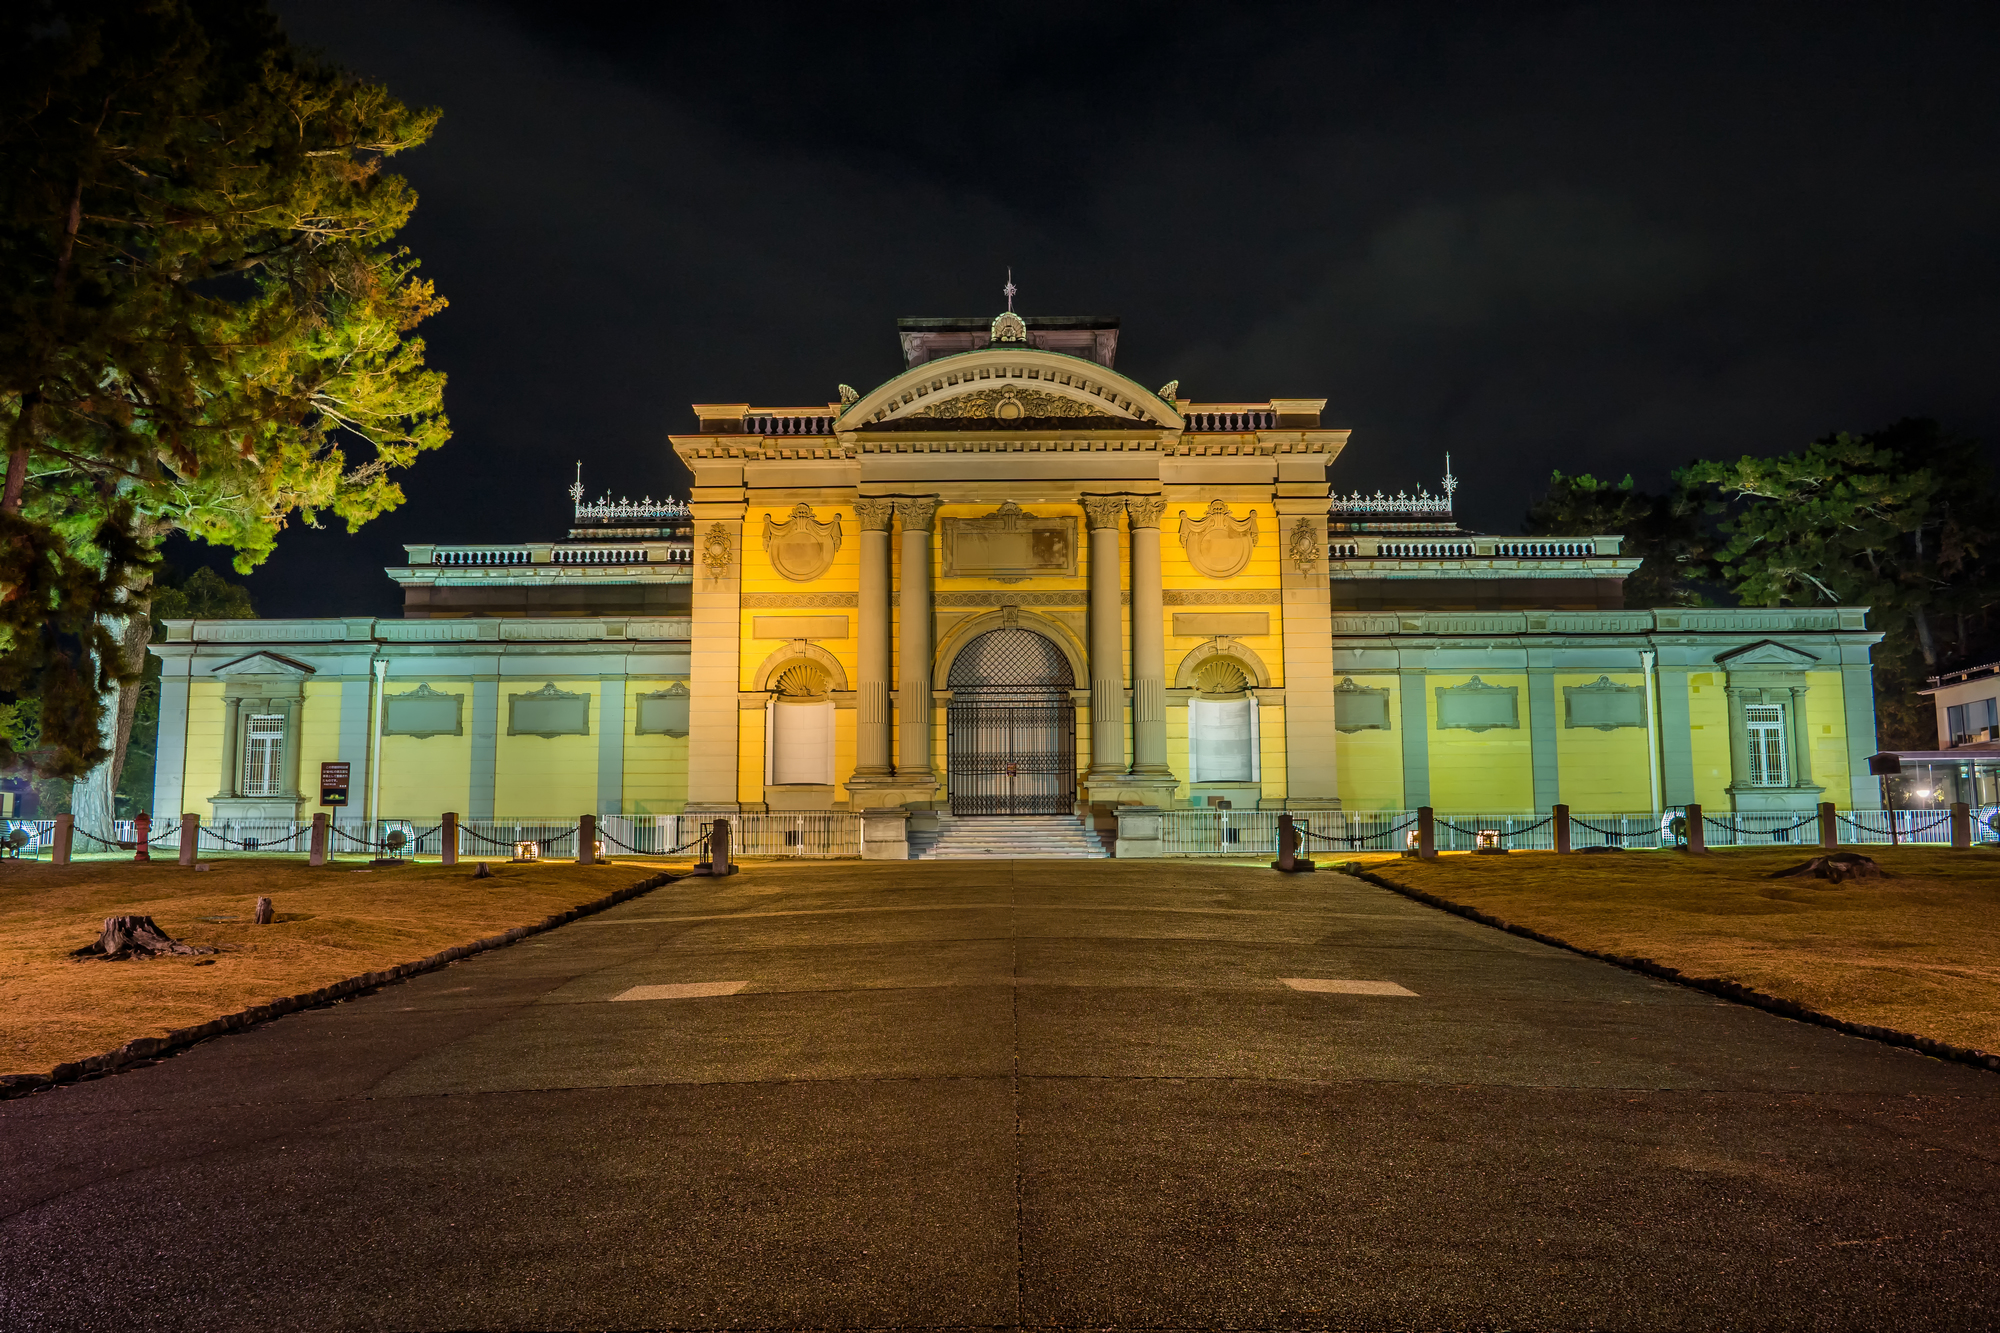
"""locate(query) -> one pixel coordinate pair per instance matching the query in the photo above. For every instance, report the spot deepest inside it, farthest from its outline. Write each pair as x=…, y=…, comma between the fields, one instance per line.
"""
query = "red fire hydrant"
x=142, y=831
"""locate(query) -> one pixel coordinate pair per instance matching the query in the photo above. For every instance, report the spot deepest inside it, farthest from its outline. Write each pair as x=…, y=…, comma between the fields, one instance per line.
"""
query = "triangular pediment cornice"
x=997, y=384
x=1767, y=653
x=263, y=664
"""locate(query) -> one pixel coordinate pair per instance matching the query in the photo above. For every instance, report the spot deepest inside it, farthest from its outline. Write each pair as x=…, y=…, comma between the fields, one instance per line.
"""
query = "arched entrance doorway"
x=1010, y=731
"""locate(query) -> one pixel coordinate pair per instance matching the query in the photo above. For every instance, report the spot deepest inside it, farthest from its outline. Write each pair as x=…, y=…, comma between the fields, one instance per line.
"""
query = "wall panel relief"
x=1218, y=545
x=1009, y=545
x=1477, y=706
x=1604, y=705
x=801, y=548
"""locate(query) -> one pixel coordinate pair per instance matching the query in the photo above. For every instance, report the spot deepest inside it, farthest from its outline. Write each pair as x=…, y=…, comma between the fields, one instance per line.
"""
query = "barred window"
x=1766, y=724
x=264, y=754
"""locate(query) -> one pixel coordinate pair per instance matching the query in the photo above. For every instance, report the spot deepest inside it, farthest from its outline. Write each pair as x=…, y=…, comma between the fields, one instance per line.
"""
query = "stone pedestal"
x=885, y=835
x=1138, y=832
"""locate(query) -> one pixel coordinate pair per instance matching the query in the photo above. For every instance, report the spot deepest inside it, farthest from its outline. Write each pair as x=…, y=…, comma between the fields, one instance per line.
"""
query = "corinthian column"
x=871, y=735
x=1107, y=668
x=913, y=749
x=1149, y=641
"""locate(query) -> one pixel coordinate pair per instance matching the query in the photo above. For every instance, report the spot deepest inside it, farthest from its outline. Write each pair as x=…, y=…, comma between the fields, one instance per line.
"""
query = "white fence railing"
x=1213, y=832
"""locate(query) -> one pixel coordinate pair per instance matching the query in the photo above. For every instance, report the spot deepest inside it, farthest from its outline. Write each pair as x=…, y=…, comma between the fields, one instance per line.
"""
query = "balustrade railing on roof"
x=772, y=423
x=482, y=556
x=598, y=555
x=1212, y=423
x=1545, y=550
x=1424, y=550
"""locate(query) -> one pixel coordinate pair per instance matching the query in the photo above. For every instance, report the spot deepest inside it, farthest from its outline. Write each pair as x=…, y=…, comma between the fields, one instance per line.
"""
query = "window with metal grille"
x=1766, y=725
x=263, y=754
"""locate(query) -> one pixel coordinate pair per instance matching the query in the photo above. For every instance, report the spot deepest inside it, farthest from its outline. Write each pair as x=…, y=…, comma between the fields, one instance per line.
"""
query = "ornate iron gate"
x=1010, y=730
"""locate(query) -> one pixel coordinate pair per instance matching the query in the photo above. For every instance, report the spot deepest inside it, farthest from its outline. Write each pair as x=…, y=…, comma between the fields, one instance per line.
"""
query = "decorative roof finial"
x=1010, y=288
x=1450, y=482
x=576, y=491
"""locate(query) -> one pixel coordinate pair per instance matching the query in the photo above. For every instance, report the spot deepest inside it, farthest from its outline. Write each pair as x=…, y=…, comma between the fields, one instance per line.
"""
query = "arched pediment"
x=1010, y=387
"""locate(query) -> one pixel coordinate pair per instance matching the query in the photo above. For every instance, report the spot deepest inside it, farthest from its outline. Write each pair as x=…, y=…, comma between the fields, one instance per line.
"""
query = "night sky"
x=1603, y=238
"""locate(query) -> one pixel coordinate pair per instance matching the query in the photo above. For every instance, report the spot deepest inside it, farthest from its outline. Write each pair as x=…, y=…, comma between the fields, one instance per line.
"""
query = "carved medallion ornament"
x=1217, y=545
x=1009, y=402
x=718, y=551
x=801, y=547
x=1305, y=549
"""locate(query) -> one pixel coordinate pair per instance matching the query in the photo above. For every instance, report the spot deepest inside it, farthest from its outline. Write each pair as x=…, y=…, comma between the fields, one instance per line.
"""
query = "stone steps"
x=1004, y=838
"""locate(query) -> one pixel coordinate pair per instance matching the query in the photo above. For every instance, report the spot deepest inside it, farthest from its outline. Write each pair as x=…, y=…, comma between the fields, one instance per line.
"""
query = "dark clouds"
x=1595, y=237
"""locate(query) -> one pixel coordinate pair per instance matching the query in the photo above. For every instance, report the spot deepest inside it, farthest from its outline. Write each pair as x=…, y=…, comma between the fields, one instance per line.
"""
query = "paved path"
x=1012, y=1094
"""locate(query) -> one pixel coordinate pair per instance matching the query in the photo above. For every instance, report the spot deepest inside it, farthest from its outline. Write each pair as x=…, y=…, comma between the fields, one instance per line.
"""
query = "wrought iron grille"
x=1010, y=730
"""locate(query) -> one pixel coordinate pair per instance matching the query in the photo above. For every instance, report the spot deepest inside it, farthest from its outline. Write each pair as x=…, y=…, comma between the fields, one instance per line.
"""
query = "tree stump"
x=1838, y=867
x=264, y=913
x=134, y=937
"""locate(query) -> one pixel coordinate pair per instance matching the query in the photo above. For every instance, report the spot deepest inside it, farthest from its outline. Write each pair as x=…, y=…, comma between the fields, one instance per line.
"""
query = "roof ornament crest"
x=1009, y=327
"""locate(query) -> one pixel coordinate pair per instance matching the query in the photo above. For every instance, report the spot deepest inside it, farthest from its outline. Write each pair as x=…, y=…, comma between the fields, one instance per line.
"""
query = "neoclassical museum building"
x=1014, y=581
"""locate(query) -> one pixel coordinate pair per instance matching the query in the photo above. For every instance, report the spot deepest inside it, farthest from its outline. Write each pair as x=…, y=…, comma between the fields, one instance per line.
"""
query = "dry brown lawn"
x=332, y=923
x=1918, y=951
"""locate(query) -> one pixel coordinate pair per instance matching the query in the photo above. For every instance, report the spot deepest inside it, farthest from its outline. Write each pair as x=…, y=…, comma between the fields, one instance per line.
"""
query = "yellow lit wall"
x=1826, y=728
x=204, y=747
x=1708, y=728
x=1371, y=762
x=424, y=776
x=555, y=776
x=1602, y=771
x=319, y=742
x=1489, y=772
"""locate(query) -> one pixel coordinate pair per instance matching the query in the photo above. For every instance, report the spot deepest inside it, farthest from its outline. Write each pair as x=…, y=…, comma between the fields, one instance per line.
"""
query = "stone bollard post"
x=1289, y=859
x=318, y=854
x=1961, y=826
x=190, y=837
x=1427, y=847
x=1829, y=828
x=586, y=840
x=718, y=849
x=65, y=840
x=142, y=831
x=450, y=835
x=1695, y=842
x=1561, y=816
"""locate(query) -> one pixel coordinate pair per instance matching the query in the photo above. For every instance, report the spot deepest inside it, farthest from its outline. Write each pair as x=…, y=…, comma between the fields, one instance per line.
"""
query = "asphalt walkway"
x=1012, y=1094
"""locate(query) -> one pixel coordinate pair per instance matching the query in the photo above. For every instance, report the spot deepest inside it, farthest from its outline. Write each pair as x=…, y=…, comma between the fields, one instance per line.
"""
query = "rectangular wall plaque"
x=798, y=627
x=1207, y=624
x=1009, y=543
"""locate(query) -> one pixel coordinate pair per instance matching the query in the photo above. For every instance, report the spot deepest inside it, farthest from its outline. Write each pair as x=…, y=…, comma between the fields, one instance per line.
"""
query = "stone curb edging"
x=1728, y=990
x=146, y=1048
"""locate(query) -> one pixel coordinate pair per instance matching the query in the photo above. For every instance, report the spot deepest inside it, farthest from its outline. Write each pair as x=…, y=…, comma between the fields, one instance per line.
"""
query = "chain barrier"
x=490, y=842
x=698, y=840
x=1903, y=830
x=1354, y=840
x=1787, y=828
x=114, y=846
x=1618, y=834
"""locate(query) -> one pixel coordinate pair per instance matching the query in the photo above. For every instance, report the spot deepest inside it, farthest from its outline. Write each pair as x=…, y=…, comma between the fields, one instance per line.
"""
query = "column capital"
x=1103, y=510
x=1145, y=510
x=918, y=511
x=874, y=515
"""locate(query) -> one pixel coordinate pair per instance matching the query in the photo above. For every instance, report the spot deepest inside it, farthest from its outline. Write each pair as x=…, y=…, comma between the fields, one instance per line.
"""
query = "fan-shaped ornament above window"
x=1218, y=545
x=801, y=548
x=1220, y=678
x=801, y=683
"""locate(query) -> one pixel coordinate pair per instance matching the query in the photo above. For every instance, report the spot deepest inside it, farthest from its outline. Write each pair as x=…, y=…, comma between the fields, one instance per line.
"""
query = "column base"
x=881, y=793
x=1129, y=789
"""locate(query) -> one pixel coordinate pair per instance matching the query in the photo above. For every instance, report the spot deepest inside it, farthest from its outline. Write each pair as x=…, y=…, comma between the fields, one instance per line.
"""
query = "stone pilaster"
x=714, y=656
x=232, y=733
x=1107, y=667
x=913, y=736
x=874, y=717
x=1312, y=764
x=1149, y=641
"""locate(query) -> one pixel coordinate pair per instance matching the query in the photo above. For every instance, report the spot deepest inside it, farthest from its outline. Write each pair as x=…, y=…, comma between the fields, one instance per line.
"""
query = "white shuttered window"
x=801, y=745
x=1222, y=739
x=1766, y=724
x=263, y=754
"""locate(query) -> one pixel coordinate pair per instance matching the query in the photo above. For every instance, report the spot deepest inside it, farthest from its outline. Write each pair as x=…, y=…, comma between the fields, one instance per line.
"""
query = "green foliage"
x=1663, y=530
x=203, y=324
x=1902, y=521
x=205, y=595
